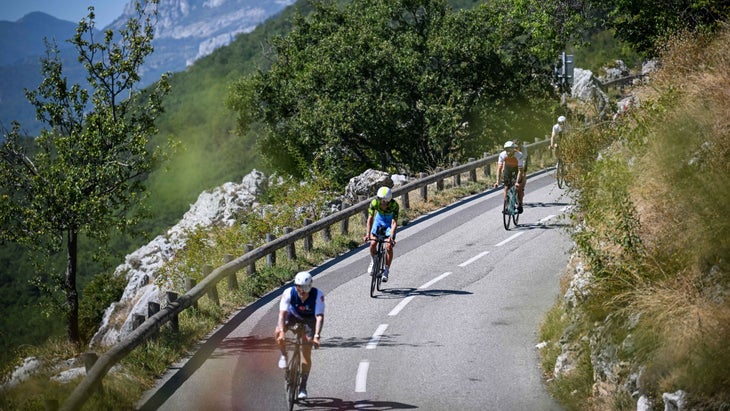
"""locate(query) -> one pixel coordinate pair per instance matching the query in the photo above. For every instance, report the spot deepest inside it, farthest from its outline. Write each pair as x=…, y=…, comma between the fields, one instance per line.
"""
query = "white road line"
x=471, y=260
x=546, y=219
x=435, y=280
x=512, y=237
x=401, y=305
x=362, y=376
x=376, y=337
x=406, y=300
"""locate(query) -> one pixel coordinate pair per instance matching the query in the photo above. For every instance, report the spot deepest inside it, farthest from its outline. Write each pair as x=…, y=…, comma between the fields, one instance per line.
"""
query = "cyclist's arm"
x=500, y=167
x=369, y=226
x=520, y=174
x=284, y=303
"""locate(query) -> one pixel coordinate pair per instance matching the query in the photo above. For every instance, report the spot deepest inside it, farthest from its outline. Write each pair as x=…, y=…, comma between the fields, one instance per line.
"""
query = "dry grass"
x=656, y=229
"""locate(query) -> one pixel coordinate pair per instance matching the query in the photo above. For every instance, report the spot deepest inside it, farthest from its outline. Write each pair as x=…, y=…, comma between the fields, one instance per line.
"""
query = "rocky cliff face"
x=190, y=29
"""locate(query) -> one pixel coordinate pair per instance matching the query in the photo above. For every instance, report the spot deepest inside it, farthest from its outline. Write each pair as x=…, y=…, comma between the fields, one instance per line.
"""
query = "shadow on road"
x=395, y=293
x=337, y=404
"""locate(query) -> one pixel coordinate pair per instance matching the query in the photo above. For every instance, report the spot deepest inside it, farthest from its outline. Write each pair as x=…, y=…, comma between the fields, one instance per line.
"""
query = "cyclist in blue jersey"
x=383, y=212
x=302, y=304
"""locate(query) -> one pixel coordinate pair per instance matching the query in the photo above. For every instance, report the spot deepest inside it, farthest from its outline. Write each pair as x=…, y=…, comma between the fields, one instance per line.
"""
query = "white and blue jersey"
x=302, y=311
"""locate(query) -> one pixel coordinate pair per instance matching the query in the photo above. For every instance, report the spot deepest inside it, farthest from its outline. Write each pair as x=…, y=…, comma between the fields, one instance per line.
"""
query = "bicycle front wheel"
x=374, y=275
x=293, y=375
x=559, y=173
x=513, y=203
x=381, y=268
x=506, y=214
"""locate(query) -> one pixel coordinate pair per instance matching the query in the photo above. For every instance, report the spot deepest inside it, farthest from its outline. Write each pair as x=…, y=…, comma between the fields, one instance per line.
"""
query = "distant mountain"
x=24, y=38
x=186, y=31
x=190, y=29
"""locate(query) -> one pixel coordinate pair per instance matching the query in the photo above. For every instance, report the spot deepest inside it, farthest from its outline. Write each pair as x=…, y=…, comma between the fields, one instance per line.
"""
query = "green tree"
x=84, y=173
x=646, y=24
x=395, y=85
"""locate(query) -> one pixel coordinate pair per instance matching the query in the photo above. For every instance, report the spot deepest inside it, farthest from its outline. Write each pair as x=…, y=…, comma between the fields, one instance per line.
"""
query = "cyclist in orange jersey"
x=511, y=167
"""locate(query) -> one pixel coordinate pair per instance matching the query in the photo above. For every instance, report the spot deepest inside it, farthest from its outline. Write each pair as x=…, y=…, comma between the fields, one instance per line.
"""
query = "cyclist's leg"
x=307, y=353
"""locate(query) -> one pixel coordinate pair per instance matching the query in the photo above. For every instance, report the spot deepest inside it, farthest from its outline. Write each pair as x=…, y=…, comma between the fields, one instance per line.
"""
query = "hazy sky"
x=71, y=10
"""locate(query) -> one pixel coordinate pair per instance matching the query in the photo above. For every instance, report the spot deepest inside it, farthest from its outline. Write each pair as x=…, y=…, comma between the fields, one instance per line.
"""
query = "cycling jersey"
x=383, y=218
x=302, y=312
x=515, y=161
x=309, y=308
x=511, y=165
x=557, y=129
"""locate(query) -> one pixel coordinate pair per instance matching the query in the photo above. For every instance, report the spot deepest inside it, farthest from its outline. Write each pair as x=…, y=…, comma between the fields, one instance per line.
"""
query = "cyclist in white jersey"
x=303, y=304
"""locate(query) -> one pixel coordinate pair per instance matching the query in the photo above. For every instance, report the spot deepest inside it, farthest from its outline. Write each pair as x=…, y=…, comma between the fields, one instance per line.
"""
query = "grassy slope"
x=652, y=199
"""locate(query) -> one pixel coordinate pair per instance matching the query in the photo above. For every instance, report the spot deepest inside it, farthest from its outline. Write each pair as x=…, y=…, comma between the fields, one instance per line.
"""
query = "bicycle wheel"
x=559, y=173
x=374, y=275
x=514, y=202
x=381, y=267
x=506, y=215
x=293, y=375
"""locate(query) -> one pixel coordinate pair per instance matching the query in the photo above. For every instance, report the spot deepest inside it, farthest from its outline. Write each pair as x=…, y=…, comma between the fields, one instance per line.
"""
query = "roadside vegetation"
x=652, y=228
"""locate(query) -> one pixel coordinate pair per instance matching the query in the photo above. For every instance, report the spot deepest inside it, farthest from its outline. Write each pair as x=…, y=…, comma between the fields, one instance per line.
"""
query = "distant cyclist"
x=511, y=167
x=559, y=130
x=383, y=212
x=301, y=304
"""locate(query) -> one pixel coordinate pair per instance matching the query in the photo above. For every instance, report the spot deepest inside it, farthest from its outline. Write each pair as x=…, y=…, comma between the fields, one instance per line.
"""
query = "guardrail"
x=150, y=327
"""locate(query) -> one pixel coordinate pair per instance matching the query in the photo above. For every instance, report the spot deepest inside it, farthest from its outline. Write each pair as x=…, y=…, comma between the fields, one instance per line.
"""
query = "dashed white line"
x=471, y=260
x=406, y=300
x=435, y=280
x=512, y=237
x=400, y=306
x=362, y=376
x=376, y=337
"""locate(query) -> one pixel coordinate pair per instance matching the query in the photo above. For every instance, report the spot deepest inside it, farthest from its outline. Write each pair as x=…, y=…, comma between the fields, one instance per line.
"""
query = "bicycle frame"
x=509, y=210
x=376, y=275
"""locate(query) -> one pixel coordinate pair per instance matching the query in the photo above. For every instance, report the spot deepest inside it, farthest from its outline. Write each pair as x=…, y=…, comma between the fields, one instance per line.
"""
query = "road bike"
x=376, y=273
x=510, y=213
x=293, y=372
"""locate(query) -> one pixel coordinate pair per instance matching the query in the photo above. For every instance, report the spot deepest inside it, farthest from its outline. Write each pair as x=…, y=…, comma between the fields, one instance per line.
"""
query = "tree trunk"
x=72, y=296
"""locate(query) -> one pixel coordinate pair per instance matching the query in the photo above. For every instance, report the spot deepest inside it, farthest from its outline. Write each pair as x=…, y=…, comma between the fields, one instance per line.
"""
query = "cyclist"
x=523, y=183
x=383, y=212
x=558, y=129
x=301, y=304
x=511, y=166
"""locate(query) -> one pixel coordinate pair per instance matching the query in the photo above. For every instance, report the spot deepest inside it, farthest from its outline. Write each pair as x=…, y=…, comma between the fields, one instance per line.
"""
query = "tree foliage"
x=396, y=85
x=85, y=172
x=647, y=24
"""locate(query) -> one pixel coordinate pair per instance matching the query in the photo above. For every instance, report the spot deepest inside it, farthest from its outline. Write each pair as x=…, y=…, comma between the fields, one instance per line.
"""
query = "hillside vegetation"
x=651, y=228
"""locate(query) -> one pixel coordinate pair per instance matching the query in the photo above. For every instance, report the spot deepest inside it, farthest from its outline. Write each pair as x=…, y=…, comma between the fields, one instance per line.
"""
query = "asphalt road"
x=455, y=327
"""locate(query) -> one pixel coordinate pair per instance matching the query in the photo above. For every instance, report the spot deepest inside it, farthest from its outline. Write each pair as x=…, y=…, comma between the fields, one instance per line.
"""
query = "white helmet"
x=384, y=193
x=510, y=144
x=304, y=280
x=561, y=119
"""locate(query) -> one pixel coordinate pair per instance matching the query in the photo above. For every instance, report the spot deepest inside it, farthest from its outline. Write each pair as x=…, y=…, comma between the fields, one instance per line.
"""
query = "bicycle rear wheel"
x=293, y=375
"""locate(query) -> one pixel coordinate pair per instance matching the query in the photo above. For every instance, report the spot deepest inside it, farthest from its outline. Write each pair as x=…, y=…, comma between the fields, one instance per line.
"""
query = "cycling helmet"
x=304, y=280
x=561, y=119
x=510, y=144
x=384, y=193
